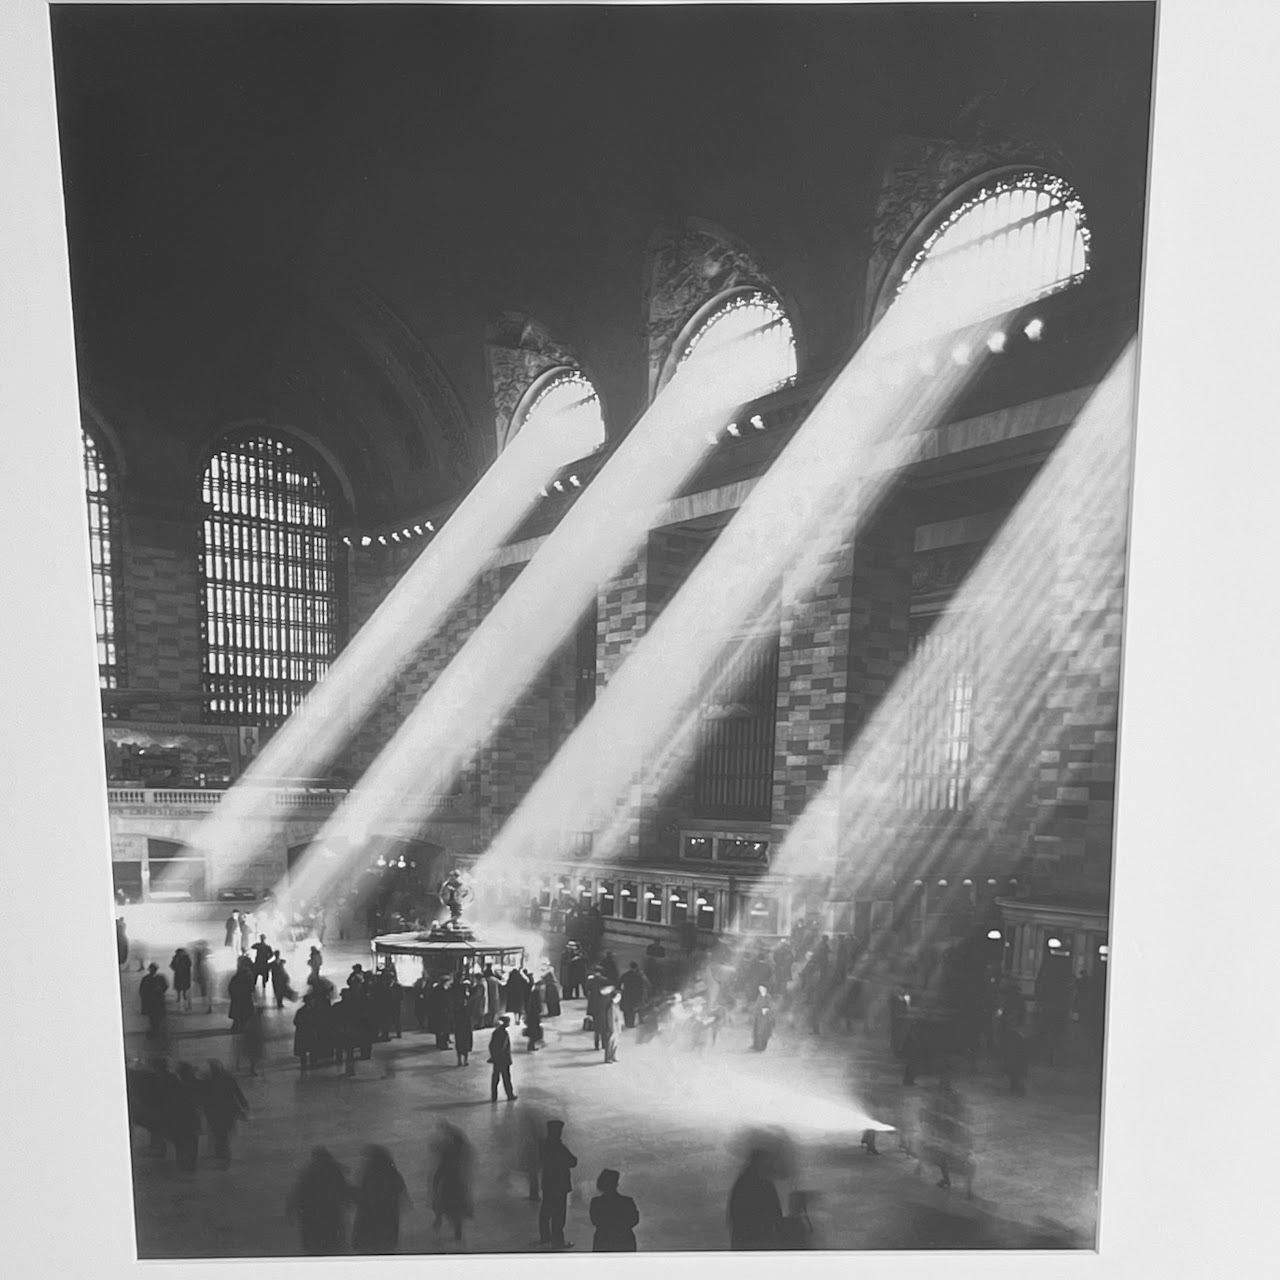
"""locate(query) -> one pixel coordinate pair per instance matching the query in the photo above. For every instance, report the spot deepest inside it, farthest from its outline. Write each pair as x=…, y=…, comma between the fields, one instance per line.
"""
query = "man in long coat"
x=516, y=993
x=500, y=1057
x=556, y=1161
x=634, y=987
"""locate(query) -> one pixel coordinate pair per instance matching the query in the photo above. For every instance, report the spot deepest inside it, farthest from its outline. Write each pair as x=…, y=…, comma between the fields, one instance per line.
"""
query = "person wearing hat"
x=614, y=1217
x=500, y=1057
x=555, y=1160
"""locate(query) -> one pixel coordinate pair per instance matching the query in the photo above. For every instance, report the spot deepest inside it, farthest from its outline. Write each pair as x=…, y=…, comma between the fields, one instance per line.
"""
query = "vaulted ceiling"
x=311, y=215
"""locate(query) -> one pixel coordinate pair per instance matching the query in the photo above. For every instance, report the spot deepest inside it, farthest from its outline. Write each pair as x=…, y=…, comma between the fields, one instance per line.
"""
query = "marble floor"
x=670, y=1121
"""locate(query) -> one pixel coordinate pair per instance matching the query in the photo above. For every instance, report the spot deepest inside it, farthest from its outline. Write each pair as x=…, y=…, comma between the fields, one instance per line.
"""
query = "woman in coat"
x=551, y=994
x=516, y=994
x=533, y=1017
x=614, y=1217
x=451, y=1181
x=379, y=1198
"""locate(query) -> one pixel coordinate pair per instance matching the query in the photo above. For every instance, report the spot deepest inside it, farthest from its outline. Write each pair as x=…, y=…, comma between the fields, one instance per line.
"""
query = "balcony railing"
x=281, y=797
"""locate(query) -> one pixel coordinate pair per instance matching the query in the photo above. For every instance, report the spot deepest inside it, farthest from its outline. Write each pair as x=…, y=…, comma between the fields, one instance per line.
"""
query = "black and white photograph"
x=608, y=536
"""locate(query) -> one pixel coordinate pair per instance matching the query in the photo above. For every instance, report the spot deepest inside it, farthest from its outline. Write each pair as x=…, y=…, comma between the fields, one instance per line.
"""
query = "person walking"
x=551, y=995
x=762, y=1021
x=755, y=1212
x=151, y=993
x=634, y=989
x=281, y=988
x=556, y=1162
x=263, y=953
x=515, y=994
x=451, y=1199
x=318, y=1203
x=246, y=933
x=181, y=968
x=379, y=1197
x=948, y=1136
x=224, y=1106
x=233, y=931
x=614, y=1217
x=500, y=1057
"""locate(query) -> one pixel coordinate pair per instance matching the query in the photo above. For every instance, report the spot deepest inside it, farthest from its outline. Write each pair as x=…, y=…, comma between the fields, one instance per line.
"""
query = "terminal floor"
x=666, y=1119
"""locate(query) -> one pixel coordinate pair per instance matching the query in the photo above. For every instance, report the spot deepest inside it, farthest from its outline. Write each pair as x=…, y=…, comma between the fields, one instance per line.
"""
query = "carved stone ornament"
x=689, y=264
x=518, y=352
x=921, y=175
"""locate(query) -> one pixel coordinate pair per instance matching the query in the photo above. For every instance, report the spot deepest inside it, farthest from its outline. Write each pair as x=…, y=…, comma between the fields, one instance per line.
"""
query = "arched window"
x=104, y=559
x=269, y=561
x=564, y=410
x=748, y=340
x=1018, y=238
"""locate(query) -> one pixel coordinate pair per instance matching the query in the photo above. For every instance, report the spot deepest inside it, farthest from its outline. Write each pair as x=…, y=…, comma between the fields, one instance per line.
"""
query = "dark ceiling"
x=233, y=173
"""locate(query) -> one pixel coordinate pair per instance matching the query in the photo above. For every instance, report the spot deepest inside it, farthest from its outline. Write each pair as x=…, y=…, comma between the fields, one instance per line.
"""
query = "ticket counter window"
x=759, y=915
x=679, y=899
x=704, y=903
x=607, y=899
x=629, y=901
x=653, y=904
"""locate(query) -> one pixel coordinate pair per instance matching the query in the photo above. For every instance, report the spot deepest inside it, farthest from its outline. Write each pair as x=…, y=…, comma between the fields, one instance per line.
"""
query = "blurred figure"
x=200, y=971
x=281, y=987
x=796, y=1231
x=609, y=1002
x=151, y=992
x=492, y=996
x=305, y=1038
x=439, y=1013
x=240, y=993
x=755, y=1212
x=224, y=1107
x=451, y=1181
x=181, y=967
x=532, y=1127
x=500, y=1057
x=533, y=1016
x=252, y=1042
x=317, y=1204
x=555, y=1161
x=463, y=1035
x=122, y=943
x=568, y=958
x=246, y=932
x=762, y=1021
x=476, y=1000
x=233, y=930
x=948, y=1137
x=182, y=1117
x=614, y=1217
x=515, y=995
x=379, y=1198
x=551, y=994
x=609, y=967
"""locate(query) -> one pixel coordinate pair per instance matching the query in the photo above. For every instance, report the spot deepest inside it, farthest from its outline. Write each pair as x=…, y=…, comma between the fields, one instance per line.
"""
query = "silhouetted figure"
x=379, y=1198
x=122, y=942
x=567, y=958
x=233, y=930
x=251, y=1043
x=475, y=1001
x=305, y=1033
x=151, y=991
x=532, y=1127
x=224, y=1106
x=200, y=972
x=533, y=1017
x=240, y=993
x=500, y=1057
x=439, y=1013
x=762, y=1020
x=246, y=932
x=451, y=1182
x=492, y=997
x=614, y=1217
x=182, y=1117
x=551, y=995
x=577, y=974
x=555, y=1161
x=281, y=988
x=463, y=1035
x=318, y=1203
x=755, y=1212
x=262, y=956
x=591, y=988
x=609, y=967
x=315, y=959
x=181, y=967
x=515, y=994
x=634, y=989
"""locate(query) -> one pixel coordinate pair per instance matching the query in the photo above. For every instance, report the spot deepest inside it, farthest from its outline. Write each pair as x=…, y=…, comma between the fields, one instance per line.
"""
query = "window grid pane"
x=1016, y=240
x=270, y=564
x=753, y=338
x=566, y=413
x=939, y=764
x=100, y=499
